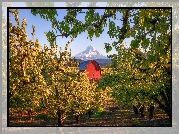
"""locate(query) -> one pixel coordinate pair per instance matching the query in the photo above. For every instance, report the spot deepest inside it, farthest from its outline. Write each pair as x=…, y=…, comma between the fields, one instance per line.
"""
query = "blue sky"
x=80, y=43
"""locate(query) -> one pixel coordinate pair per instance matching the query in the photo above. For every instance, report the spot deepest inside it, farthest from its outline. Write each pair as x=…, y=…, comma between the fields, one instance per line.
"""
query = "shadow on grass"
x=105, y=118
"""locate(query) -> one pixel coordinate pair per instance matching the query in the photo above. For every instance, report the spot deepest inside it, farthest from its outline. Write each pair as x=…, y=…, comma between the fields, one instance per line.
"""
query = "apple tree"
x=150, y=30
x=26, y=83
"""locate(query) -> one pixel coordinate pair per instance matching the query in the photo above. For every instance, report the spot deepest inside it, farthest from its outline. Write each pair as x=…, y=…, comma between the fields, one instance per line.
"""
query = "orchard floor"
x=108, y=118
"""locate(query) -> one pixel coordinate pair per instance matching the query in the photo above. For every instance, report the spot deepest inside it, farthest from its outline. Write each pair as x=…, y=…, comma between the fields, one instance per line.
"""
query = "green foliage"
x=134, y=44
x=136, y=122
x=26, y=85
x=97, y=115
x=42, y=117
x=143, y=76
x=39, y=79
x=144, y=25
x=108, y=47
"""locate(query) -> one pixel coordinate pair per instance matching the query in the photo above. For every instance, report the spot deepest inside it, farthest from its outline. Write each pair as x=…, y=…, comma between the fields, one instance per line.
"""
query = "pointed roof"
x=84, y=64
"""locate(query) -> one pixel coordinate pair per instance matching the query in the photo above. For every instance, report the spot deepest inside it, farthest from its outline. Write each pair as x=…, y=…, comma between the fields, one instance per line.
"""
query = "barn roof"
x=84, y=64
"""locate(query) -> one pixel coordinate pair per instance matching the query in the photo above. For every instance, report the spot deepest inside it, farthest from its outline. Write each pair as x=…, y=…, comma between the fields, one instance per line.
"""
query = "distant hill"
x=102, y=62
x=90, y=53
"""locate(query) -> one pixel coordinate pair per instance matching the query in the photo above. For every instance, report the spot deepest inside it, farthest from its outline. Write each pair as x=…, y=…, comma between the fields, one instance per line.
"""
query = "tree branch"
x=96, y=25
x=164, y=97
x=123, y=29
x=160, y=104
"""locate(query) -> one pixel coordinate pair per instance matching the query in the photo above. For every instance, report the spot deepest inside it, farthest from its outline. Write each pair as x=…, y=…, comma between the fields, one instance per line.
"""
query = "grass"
x=97, y=115
x=105, y=118
x=136, y=122
x=42, y=117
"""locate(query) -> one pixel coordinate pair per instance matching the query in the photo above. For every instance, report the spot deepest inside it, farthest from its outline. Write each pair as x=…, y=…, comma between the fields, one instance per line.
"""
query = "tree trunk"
x=60, y=117
x=135, y=109
x=77, y=117
x=142, y=111
x=89, y=113
x=30, y=114
x=151, y=109
x=166, y=108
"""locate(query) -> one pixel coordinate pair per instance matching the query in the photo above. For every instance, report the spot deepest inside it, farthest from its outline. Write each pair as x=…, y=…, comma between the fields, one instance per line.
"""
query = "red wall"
x=93, y=67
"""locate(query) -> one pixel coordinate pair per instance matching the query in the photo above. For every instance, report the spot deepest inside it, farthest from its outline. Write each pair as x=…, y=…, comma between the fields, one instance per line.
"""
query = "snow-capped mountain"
x=90, y=54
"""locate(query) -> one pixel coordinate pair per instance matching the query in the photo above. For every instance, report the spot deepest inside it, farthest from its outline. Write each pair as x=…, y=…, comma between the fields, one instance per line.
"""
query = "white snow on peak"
x=90, y=53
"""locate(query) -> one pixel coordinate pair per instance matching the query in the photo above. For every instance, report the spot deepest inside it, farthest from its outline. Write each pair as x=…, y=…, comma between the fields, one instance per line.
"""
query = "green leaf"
x=145, y=43
x=134, y=44
x=108, y=47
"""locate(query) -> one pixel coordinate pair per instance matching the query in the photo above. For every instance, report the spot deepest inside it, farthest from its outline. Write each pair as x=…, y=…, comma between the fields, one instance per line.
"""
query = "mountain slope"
x=90, y=54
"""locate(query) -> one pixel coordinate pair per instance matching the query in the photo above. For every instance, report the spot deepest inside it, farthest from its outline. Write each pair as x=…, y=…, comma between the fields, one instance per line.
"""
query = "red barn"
x=93, y=69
